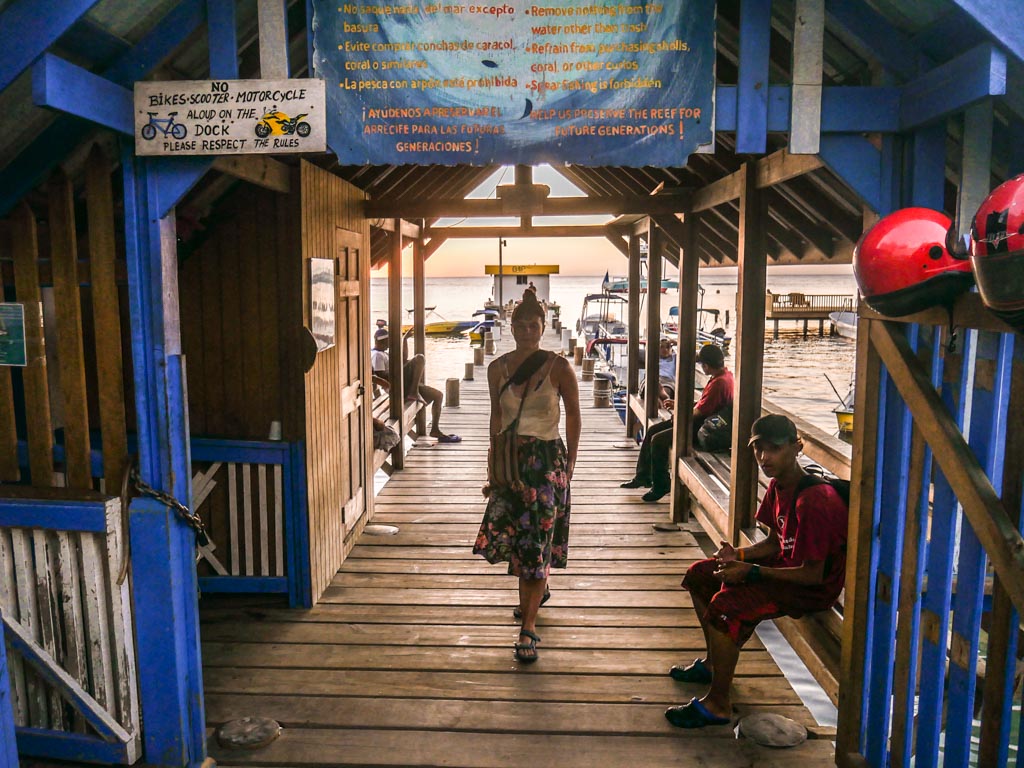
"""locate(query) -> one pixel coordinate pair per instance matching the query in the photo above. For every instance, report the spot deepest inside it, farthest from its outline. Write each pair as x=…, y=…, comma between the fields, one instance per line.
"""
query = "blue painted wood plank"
x=843, y=110
x=871, y=35
x=937, y=601
x=87, y=516
x=72, y=747
x=264, y=585
x=222, y=32
x=928, y=163
x=297, y=532
x=1000, y=19
x=175, y=177
x=892, y=502
x=8, y=745
x=987, y=436
x=240, y=451
x=975, y=75
x=856, y=161
x=40, y=157
x=88, y=41
x=28, y=28
x=61, y=85
x=752, y=87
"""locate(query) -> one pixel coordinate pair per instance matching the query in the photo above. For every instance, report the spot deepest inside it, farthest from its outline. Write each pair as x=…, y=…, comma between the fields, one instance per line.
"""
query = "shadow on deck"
x=407, y=660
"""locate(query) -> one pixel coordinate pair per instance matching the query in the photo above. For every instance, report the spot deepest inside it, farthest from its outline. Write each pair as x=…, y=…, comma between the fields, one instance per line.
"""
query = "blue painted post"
x=297, y=531
x=223, y=34
x=929, y=166
x=752, y=91
x=8, y=744
x=163, y=546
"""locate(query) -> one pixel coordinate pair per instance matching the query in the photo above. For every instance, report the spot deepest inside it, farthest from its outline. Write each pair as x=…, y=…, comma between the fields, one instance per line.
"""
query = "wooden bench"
x=381, y=409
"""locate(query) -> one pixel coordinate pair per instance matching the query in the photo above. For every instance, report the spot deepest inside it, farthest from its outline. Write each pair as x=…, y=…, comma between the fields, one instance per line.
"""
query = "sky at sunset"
x=575, y=256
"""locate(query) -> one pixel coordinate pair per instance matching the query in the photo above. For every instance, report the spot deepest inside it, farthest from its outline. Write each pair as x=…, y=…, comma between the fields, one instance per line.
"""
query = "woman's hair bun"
x=530, y=297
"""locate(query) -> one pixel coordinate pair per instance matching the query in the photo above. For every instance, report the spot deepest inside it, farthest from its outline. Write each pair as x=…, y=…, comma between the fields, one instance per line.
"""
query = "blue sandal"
x=697, y=672
x=694, y=715
x=527, y=652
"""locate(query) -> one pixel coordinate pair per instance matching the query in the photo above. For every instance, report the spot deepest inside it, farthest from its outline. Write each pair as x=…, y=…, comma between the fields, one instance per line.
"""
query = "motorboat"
x=621, y=284
x=717, y=335
x=442, y=326
x=843, y=411
x=844, y=324
x=488, y=316
x=603, y=317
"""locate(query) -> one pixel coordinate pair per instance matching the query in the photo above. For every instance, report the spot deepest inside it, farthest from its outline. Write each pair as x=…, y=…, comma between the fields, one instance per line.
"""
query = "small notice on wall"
x=521, y=81
x=321, y=302
x=12, y=335
x=229, y=117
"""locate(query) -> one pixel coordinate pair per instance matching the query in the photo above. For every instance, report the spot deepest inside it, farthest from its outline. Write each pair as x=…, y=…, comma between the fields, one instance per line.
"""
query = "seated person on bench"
x=652, y=466
x=798, y=569
x=412, y=378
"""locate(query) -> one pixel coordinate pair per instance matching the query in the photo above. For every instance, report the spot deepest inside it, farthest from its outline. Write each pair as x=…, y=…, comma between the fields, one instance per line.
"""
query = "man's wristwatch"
x=754, y=574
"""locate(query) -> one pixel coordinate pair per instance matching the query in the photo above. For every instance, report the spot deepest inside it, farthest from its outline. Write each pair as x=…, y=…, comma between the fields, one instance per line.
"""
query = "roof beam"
x=952, y=87
x=490, y=233
x=872, y=36
x=776, y=168
x=752, y=90
x=1000, y=19
x=621, y=245
x=425, y=208
x=28, y=28
x=260, y=170
x=62, y=86
x=844, y=109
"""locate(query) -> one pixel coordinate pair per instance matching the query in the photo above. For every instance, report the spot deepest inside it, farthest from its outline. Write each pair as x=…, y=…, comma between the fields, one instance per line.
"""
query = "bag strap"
x=523, y=373
x=809, y=480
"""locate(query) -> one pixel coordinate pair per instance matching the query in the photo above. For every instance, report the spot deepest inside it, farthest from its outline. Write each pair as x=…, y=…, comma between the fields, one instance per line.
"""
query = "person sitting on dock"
x=412, y=377
x=798, y=569
x=652, y=466
x=667, y=366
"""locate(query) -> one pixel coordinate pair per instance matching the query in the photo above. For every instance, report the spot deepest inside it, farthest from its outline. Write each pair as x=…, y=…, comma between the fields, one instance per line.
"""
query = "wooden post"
x=524, y=176
x=164, y=594
x=419, y=272
x=654, y=261
x=633, y=371
x=395, y=361
x=749, y=351
x=808, y=61
x=451, y=393
x=273, y=40
x=858, y=546
x=689, y=273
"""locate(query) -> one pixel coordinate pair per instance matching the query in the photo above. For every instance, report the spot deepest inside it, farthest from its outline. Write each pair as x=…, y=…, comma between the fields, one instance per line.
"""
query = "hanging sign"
x=560, y=81
x=229, y=117
x=12, y=335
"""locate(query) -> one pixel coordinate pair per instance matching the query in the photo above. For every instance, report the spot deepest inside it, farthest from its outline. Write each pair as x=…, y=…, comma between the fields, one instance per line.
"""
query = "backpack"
x=813, y=478
x=715, y=434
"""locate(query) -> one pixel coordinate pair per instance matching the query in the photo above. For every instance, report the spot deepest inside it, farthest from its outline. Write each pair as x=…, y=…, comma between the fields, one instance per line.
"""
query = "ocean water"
x=795, y=368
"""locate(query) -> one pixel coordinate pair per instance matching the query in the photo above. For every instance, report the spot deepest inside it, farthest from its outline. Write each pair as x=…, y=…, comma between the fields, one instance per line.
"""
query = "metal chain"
x=195, y=522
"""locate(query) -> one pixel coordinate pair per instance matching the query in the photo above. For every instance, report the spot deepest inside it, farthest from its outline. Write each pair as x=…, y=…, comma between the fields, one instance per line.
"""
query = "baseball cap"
x=382, y=333
x=774, y=428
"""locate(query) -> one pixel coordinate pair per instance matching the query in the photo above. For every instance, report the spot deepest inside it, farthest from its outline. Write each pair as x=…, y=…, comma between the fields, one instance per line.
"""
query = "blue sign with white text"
x=603, y=83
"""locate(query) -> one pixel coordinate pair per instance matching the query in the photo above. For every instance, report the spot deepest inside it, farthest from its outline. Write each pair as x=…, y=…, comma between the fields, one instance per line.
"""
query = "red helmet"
x=902, y=264
x=997, y=251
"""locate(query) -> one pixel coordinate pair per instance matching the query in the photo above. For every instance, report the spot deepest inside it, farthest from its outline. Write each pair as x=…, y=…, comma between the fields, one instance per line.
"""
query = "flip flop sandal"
x=449, y=439
x=527, y=652
x=517, y=612
x=697, y=672
x=694, y=715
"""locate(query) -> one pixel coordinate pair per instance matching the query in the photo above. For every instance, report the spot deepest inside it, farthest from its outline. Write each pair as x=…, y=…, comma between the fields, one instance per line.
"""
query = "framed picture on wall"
x=321, y=302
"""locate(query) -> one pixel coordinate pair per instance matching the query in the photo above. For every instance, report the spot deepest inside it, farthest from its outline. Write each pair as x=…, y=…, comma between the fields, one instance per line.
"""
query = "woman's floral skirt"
x=529, y=528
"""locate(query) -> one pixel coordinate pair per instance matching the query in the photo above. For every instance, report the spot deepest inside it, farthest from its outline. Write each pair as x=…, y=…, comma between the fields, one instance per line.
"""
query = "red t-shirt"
x=816, y=532
x=716, y=395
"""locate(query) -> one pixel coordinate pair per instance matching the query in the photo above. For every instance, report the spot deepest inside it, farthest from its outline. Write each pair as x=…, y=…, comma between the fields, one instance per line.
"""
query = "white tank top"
x=541, y=414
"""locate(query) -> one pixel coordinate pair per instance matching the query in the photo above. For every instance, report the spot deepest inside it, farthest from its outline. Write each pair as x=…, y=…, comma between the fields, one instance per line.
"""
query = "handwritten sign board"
x=13, y=350
x=610, y=83
x=321, y=302
x=229, y=117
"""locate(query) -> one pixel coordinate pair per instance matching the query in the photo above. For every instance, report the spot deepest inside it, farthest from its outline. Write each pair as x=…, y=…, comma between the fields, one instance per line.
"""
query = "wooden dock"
x=407, y=660
x=804, y=307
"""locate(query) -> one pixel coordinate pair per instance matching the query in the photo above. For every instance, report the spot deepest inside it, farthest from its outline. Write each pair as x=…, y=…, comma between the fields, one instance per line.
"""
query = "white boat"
x=844, y=324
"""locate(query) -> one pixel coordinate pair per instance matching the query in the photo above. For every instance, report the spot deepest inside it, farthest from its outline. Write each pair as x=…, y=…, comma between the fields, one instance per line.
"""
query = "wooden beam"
x=783, y=165
x=262, y=171
x=490, y=233
x=425, y=208
x=981, y=504
x=419, y=322
x=654, y=270
x=431, y=247
x=273, y=36
x=716, y=193
x=395, y=319
x=749, y=354
x=633, y=331
x=621, y=245
x=808, y=56
x=968, y=312
x=686, y=360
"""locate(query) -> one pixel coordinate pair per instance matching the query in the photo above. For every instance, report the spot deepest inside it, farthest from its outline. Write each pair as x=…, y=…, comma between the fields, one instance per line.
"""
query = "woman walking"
x=526, y=523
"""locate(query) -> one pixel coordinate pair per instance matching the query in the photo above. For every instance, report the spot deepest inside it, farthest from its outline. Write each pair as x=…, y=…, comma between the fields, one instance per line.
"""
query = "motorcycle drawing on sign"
x=167, y=126
x=279, y=124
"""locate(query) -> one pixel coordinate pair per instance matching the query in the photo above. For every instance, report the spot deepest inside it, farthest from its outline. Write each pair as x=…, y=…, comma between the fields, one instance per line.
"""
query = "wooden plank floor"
x=407, y=660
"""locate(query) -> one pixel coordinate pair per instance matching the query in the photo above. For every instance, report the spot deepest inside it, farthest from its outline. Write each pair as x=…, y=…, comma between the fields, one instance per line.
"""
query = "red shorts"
x=738, y=608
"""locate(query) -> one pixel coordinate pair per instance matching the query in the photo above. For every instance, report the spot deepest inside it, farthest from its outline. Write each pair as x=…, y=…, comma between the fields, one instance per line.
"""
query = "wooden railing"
x=806, y=305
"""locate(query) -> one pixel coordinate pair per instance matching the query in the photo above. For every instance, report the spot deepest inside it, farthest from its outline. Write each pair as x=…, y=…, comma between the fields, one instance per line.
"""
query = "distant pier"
x=804, y=306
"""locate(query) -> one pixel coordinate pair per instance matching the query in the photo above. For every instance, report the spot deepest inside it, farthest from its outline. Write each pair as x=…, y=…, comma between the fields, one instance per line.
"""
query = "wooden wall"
x=329, y=211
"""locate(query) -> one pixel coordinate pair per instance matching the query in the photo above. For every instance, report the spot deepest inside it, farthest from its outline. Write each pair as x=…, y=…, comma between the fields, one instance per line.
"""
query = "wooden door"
x=353, y=375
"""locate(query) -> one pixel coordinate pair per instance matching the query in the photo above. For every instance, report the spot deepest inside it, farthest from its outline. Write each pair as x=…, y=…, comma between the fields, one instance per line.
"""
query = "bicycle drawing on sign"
x=166, y=125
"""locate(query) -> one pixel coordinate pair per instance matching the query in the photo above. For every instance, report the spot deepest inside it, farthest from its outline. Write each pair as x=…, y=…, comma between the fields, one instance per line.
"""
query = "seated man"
x=412, y=382
x=799, y=568
x=652, y=466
